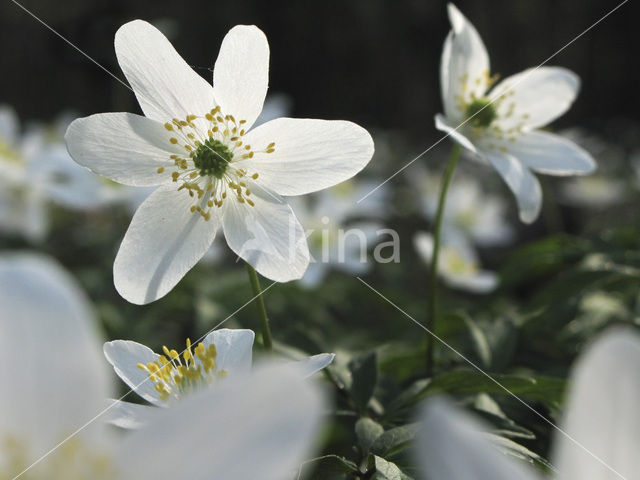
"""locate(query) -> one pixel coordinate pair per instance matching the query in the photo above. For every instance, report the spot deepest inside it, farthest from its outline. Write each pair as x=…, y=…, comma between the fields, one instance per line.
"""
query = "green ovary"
x=481, y=112
x=212, y=158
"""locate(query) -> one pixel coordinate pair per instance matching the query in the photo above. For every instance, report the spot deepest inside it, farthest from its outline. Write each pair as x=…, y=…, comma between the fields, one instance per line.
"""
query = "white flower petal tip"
x=602, y=422
x=310, y=155
x=311, y=365
x=163, y=242
x=451, y=445
x=269, y=237
x=165, y=85
x=124, y=147
x=456, y=18
x=257, y=429
x=522, y=182
x=241, y=72
x=126, y=415
x=234, y=349
x=124, y=356
x=552, y=154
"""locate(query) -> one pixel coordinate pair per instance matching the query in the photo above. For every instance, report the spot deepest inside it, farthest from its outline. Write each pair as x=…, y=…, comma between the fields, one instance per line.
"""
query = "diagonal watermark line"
x=69, y=42
x=524, y=77
x=476, y=367
x=115, y=402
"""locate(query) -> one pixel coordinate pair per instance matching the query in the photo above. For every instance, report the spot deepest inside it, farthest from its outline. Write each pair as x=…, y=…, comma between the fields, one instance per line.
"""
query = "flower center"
x=72, y=459
x=174, y=376
x=212, y=158
x=7, y=152
x=209, y=170
x=456, y=263
x=481, y=112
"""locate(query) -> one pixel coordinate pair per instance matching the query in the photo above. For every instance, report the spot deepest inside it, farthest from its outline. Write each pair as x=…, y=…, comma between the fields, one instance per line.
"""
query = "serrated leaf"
x=364, y=373
x=394, y=439
x=367, y=431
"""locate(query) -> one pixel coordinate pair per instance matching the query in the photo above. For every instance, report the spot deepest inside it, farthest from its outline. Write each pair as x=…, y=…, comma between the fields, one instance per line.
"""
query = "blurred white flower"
x=595, y=191
x=37, y=170
x=601, y=425
x=55, y=384
x=475, y=213
x=503, y=124
x=458, y=263
x=334, y=240
x=165, y=380
x=211, y=169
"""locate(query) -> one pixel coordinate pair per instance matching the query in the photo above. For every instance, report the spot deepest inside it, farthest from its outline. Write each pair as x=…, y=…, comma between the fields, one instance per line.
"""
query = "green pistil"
x=481, y=112
x=212, y=158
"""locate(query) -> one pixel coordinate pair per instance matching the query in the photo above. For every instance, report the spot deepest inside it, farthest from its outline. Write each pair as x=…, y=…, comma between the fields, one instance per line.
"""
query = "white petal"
x=164, y=84
x=423, y=243
x=539, y=96
x=54, y=378
x=262, y=428
x=268, y=236
x=309, y=154
x=446, y=126
x=551, y=154
x=463, y=54
x=482, y=281
x=9, y=126
x=234, y=349
x=315, y=363
x=241, y=73
x=164, y=241
x=521, y=181
x=124, y=356
x=602, y=418
x=127, y=415
x=451, y=445
x=125, y=147
x=63, y=180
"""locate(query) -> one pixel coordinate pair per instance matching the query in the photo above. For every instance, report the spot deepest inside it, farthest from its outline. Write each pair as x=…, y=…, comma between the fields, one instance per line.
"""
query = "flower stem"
x=262, y=312
x=433, y=268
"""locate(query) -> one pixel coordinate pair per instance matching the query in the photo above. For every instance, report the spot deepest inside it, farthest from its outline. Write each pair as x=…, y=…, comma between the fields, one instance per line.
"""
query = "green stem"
x=262, y=311
x=433, y=268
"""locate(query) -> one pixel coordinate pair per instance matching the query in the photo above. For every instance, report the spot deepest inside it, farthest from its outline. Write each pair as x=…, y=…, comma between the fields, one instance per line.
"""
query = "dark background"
x=375, y=62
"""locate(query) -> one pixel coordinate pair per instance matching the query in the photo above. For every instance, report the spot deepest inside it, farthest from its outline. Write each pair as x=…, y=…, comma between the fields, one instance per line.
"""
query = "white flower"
x=334, y=240
x=211, y=169
x=54, y=381
x=502, y=126
x=601, y=423
x=596, y=191
x=165, y=380
x=468, y=209
x=36, y=170
x=458, y=263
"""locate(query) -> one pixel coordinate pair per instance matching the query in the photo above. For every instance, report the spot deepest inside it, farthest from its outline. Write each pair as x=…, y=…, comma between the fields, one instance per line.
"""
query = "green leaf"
x=367, y=431
x=547, y=390
x=364, y=373
x=330, y=467
x=514, y=449
x=386, y=470
x=479, y=340
x=394, y=439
